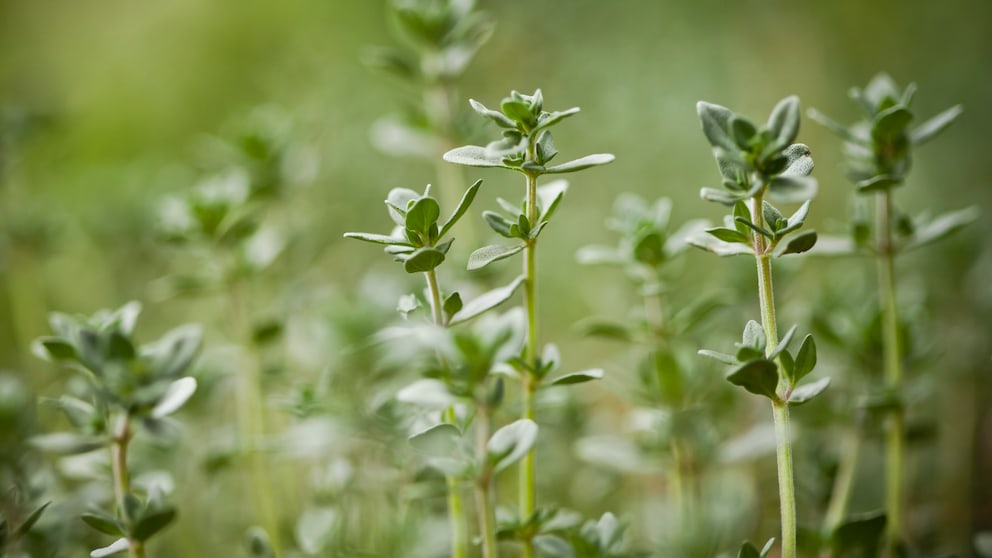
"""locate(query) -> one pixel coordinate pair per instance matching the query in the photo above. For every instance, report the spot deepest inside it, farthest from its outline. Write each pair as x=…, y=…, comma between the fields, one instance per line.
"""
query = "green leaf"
x=440, y=440
x=509, y=444
x=452, y=305
x=67, y=443
x=173, y=354
x=833, y=126
x=103, y=522
x=258, y=543
x=474, y=156
x=426, y=392
x=934, y=126
x=799, y=243
x=748, y=550
x=55, y=349
x=891, y=122
x=715, y=120
x=722, y=357
x=489, y=254
x=754, y=336
x=580, y=164
x=423, y=259
x=878, y=184
x=485, y=302
x=463, y=206
x=29, y=522
x=552, y=545
x=422, y=214
x=152, y=522
x=519, y=112
x=597, y=327
x=729, y=235
x=808, y=391
x=859, y=532
x=498, y=223
x=719, y=196
x=578, y=377
x=118, y=546
x=178, y=394
x=397, y=201
x=719, y=247
x=378, y=238
x=767, y=548
x=784, y=120
x=499, y=118
x=943, y=226
x=760, y=230
x=549, y=119
x=773, y=216
x=742, y=131
x=788, y=188
x=549, y=196
x=805, y=358
x=758, y=376
x=796, y=220
x=783, y=343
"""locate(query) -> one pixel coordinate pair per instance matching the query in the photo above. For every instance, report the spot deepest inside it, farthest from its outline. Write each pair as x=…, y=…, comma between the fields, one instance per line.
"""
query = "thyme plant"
x=420, y=243
x=437, y=40
x=754, y=163
x=130, y=385
x=527, y=147
x=879, y=152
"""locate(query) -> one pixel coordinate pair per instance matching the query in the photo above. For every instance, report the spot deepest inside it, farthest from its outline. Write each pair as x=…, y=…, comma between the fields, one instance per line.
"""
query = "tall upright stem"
x=483, y=487
x=894, y=449
x=780, y=409
x=527, y=490
x=456, y=514
x=122, y=480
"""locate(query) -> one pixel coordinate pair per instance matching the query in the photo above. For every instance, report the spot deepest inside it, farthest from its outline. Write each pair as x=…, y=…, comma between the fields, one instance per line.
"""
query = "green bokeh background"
x=116, y=94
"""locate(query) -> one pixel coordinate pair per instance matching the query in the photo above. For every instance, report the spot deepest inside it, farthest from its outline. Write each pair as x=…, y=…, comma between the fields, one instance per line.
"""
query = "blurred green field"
x=109, y=108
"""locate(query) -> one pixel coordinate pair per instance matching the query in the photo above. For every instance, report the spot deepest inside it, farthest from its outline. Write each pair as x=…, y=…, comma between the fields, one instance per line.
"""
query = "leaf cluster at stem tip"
x=527, y=145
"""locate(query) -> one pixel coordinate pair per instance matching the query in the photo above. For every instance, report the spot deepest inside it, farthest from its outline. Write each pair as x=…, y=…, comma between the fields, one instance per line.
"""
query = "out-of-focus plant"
x=230, y=229
x=755, y=162
x=129, y=385
x=438, y=40
x=528, y=147
x=879, y=152
x=668, y=383
x=418, y=242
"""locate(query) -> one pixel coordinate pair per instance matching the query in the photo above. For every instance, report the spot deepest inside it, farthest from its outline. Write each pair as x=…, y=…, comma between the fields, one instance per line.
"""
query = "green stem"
x=484, y=488
x=840, y=496
x=894, y=440
x=527, y=489
x=780, y=409
x=251, y=414
x=122, y=482
x=459, y=528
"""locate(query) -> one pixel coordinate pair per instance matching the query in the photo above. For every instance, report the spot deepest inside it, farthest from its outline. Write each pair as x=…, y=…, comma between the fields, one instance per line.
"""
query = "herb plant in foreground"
x=130, y=385
x=879, y=150
x=527, y=147
x=463, y=365
x=755, y=163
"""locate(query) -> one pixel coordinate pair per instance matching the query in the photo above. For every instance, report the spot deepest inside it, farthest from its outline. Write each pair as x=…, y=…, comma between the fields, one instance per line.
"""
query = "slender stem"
x=894, y=442
x=780, y=409
x=251, y=413
x=840, y=496
x=484, y=486
x=122, y=481
x=459, y=528
x=527, y=489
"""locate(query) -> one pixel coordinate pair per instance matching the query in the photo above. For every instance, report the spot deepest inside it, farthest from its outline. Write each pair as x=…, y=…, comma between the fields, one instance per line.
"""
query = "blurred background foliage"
x=110, y=107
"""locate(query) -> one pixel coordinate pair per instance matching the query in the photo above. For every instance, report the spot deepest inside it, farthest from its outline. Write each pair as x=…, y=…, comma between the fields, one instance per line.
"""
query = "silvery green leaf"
x=499, y=118
x=792, y=189
x=942, y=226
x=578, y=377
x=934, y=126
x=549, y=196
x=805, y=392
x=118, y=546
x=598, y=255
x=177, y=395
x=715, y=119
x=486, y=302
x=784, y=120
x=582, y=163
x=474, y=156
x=440, y=440
x=489, y=254
x=719, y=247
x=510, y=443
x=426, y=392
